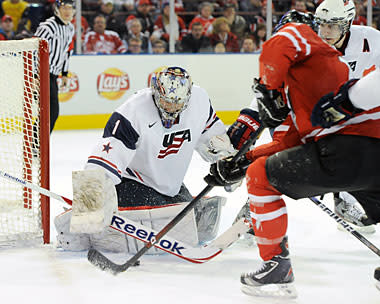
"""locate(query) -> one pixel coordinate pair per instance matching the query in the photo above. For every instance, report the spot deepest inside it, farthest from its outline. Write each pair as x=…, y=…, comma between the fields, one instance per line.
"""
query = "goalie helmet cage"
x=24, y=141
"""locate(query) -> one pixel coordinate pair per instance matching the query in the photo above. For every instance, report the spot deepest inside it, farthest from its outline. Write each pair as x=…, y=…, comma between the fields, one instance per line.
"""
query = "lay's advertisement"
x=97, y=85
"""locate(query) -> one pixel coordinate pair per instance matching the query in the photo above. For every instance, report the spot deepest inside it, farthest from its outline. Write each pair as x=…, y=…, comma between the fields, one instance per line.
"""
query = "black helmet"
x=297, y=17
x=59, y=3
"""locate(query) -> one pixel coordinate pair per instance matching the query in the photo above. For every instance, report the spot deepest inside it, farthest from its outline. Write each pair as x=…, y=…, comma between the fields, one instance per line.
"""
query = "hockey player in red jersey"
x=307, y=159
x=358, y=45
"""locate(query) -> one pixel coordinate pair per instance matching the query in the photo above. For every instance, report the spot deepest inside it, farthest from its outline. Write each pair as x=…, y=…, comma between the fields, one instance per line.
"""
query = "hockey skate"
x=377, y=278
x=346, y=207
x=248, y=238
x=273, y=279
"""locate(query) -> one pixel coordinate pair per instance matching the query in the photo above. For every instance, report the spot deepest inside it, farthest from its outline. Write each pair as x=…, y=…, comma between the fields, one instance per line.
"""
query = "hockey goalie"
x=138, y=166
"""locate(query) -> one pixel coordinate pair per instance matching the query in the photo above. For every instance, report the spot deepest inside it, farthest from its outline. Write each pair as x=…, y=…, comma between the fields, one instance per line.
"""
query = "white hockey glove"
x=94, y=202
x=219, y=146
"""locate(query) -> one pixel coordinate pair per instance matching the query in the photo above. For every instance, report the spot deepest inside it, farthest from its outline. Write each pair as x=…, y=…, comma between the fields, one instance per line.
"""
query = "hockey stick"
x=180, y=249
x=35, y=188
x=101, y=261
x=345, y=225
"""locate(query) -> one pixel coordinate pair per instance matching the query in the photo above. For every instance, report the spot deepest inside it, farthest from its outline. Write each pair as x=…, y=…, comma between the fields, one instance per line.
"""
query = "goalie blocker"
x=87, y=224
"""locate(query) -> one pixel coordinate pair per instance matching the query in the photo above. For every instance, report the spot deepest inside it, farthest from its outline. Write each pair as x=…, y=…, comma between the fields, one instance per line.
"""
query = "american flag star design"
x=107, y=148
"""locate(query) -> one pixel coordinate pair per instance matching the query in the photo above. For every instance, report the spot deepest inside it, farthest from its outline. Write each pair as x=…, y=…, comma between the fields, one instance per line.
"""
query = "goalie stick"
x=35, y=187
x=177, y=248
x=345, y=225
x=101, y=261
x=180, y=249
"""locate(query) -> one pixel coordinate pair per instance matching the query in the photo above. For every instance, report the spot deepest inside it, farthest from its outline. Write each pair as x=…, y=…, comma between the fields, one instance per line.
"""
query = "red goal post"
x=24, y=140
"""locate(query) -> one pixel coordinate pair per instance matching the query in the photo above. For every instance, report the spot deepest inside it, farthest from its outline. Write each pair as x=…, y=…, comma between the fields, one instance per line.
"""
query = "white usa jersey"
x=135, y=145
x=362, y=52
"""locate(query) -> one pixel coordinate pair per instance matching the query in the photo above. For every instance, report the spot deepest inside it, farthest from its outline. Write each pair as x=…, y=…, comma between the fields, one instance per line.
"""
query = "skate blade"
x=377, y=284
x=284, y=291
x=361, y=229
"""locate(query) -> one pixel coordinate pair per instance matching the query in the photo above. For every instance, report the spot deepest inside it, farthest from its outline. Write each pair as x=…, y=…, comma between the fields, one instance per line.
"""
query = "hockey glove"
x=247, y=123
x=272, y=109
x=224, y=172
x=332, y=109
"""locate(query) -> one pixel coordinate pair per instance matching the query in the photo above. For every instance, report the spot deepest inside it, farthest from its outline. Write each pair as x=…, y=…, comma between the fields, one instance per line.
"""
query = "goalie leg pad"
x=157, y=218
x=207, y=214
x=109, y=240
x=67, y=240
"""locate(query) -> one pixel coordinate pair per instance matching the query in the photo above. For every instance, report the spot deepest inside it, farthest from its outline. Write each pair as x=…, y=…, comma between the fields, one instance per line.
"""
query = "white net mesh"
x=20, y=209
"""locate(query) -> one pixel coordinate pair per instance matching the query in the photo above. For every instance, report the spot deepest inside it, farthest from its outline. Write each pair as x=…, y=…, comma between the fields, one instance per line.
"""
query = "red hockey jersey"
x=297, y=59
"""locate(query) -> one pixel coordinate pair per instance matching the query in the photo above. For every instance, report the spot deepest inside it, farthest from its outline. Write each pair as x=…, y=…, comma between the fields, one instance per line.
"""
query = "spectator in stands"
x=134, y=45
x=219, y=48
x=90, y=5
x=248, y=45
x=252, y=6
x=196, y=42
x=48, y=10
x=255, y=20
x=112, y=23
x=124, y=5
x=159, y=47
x=102, y=41
x=143, y=13
x=360, y=18
x=260, y=36
x=134, y=29
x=236, y=22
x=178, y=6
x=222, y=33
x=162, y=26
x=84, y=29
x=6, y=30
x=205, y=18
x=300, y=6
x=18, y=10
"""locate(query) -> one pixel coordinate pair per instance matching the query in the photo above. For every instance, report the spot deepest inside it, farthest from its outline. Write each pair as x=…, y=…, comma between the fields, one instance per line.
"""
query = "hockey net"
x=24, y=141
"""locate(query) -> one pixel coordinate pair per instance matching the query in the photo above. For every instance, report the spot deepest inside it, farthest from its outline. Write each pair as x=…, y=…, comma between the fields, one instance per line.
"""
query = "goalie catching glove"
x=272, y=108
x=225, y=172
x=332, y=109
x=247, y=123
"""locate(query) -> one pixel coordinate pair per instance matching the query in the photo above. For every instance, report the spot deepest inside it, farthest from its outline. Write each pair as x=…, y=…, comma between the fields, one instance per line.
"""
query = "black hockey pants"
x=132, y=194
x=334, y=163
x=54, y=103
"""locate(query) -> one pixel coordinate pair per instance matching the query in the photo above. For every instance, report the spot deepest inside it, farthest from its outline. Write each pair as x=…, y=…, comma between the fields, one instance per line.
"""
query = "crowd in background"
x=142, y=26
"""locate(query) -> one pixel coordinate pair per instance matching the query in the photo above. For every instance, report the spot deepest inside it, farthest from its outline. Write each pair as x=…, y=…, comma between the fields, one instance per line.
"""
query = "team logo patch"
x=173, y=142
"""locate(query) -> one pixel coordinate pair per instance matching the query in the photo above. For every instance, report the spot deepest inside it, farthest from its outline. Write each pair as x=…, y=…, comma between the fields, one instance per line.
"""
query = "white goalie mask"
x=171, y=89
x=338, y=13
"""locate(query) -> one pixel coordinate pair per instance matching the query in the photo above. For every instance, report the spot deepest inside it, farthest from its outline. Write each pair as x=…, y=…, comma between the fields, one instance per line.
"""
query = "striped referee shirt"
x=59, y=37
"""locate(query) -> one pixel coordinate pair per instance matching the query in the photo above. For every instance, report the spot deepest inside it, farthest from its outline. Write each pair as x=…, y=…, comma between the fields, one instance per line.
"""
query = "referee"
x=58, y=32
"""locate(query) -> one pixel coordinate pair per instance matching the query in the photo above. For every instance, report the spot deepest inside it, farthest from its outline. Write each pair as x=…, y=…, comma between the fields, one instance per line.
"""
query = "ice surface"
x=330, y=266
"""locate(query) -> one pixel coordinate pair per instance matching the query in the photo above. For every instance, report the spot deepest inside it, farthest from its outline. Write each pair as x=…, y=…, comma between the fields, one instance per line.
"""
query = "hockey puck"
x=377, y=273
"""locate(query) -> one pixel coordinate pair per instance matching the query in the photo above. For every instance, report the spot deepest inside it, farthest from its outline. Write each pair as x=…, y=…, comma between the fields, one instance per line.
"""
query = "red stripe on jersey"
x=145, y=207
x=106, y=161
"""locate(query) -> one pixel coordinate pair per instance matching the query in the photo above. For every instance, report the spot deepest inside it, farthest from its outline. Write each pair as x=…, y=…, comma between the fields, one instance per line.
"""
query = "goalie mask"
x=171, y=90
x=297, y=17
x=334, y=18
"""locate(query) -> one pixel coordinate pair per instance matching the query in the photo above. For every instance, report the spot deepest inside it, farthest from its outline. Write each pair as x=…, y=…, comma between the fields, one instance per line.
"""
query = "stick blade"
x=102, y=262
